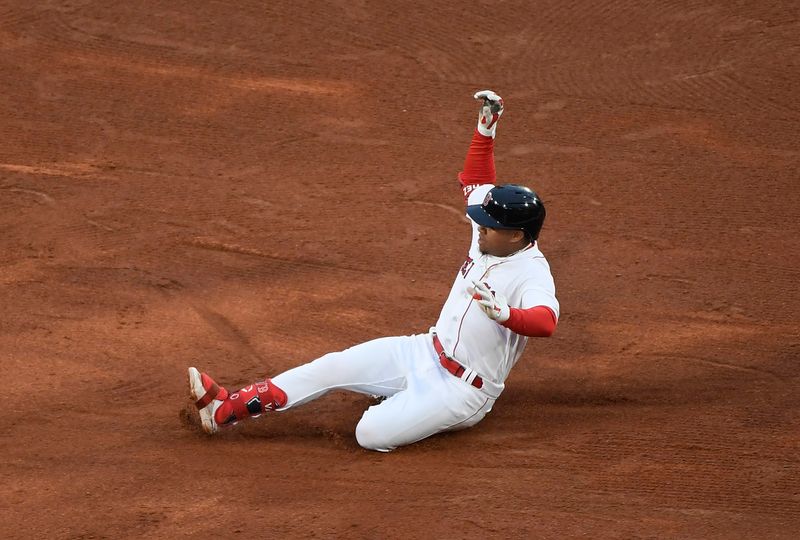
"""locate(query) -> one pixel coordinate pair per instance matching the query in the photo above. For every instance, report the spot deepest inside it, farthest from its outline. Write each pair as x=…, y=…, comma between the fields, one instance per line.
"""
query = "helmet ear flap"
x=535, y=227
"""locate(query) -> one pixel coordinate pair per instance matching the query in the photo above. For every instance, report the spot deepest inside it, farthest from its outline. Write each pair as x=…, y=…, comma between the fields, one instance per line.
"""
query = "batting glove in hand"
x=492, y=303
x=490, y=112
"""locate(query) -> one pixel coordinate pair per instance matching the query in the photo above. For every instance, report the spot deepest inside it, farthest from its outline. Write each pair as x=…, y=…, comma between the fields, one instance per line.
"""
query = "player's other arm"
x=537, y=321
x=479, y=164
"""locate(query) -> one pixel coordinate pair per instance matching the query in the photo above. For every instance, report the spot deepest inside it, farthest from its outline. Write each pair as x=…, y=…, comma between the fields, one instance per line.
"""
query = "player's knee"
x=372, y=437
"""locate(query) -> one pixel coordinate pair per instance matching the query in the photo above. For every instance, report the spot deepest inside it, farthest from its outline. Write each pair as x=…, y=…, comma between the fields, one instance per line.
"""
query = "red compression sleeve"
x=479, y=164
x=539, y=321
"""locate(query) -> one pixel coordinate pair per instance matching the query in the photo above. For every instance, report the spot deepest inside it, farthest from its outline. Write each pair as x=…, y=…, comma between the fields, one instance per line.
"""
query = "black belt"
x=452, y=365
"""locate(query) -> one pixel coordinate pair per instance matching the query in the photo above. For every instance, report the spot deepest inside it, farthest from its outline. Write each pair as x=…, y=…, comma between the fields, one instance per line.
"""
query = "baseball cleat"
x=208, y=396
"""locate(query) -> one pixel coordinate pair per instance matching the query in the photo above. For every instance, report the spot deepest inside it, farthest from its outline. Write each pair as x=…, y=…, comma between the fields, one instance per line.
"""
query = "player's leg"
x=419, y=412
x=376, y=367
x=433, y=401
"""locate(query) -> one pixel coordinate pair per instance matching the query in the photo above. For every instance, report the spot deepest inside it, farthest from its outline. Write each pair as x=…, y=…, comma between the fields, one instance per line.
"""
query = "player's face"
x=499, y=242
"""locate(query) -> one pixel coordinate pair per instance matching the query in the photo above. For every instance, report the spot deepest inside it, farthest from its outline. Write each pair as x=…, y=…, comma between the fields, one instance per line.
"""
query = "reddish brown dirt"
x=245, y=188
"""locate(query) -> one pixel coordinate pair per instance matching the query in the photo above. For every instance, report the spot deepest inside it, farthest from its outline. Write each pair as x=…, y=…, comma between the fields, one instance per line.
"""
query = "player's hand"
x=491, y=109
x=492, y=303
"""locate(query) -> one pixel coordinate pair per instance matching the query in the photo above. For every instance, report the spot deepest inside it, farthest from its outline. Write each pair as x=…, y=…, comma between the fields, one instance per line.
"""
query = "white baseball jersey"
x=465, y=331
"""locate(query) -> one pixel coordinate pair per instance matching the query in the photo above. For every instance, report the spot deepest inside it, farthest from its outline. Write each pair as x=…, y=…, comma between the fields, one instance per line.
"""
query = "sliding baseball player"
x=449, y=377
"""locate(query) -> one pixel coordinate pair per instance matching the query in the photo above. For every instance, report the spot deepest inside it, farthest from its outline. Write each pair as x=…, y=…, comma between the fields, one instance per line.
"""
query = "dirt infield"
x=245, y=186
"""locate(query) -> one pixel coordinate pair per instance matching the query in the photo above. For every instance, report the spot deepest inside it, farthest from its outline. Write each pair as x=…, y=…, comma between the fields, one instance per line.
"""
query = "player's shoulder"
x=534, y=262
x=533, y=254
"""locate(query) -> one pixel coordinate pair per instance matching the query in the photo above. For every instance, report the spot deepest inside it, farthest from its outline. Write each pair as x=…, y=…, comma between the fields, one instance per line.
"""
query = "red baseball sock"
x=251, y=401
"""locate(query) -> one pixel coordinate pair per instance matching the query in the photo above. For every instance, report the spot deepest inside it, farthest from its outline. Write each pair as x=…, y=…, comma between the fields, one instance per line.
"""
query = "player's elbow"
x=547, y=332
x=548, y=324
x=549, y=329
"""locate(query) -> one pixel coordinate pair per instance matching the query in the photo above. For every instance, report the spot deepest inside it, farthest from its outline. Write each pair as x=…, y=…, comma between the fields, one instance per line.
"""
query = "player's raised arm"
x=479, y=164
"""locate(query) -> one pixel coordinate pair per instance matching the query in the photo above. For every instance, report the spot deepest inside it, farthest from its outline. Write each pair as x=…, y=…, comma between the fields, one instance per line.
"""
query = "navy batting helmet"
x=510, y=207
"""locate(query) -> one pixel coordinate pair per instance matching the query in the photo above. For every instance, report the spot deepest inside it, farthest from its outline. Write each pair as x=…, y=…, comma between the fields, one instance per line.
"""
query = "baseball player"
x=448, y=378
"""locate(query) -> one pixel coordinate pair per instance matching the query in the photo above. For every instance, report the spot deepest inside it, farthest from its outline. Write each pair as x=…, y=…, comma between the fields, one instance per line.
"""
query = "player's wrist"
x=489, y=132
x=491, y=109
x=504, y=314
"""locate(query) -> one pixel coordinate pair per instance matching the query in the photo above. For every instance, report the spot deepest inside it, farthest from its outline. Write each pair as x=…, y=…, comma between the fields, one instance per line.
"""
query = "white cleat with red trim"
x=208, y=396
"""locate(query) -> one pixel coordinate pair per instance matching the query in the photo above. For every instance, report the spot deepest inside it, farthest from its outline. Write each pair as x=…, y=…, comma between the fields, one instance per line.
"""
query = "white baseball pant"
x=422, y=397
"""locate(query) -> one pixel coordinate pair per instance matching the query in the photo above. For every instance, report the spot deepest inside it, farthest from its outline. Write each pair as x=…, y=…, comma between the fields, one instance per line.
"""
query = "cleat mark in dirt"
x=130, y=316
x=231, y=227
x=544, y=148
x=55, y=169
x=98, y=225
x=257, y=202
x=244, y=83
x=724, y=365
x=138, y=385
x=450, y=209
x=227, y=329
x=213, y=245
x=40, y=196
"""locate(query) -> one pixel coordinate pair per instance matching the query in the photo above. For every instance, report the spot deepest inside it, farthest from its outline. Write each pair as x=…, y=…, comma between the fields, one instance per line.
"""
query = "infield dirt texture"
x=244, y=186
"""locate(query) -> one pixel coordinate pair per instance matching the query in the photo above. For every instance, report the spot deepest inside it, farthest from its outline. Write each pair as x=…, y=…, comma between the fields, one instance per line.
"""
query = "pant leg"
x=376, y=367
x=433, y=401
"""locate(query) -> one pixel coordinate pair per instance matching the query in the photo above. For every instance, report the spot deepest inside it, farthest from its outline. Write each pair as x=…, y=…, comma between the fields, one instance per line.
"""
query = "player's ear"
x=518, y=236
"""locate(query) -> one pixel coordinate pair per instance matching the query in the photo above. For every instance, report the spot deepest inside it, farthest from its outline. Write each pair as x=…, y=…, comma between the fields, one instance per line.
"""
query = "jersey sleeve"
x=538, y=288
x=479, y=166
x=538, y=310
x=540, y=296
x=539, y=321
